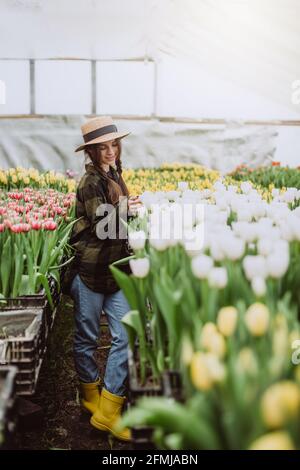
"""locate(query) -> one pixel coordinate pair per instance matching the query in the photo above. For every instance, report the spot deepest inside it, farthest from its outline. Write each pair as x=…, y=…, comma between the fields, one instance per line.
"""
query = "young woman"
x=93, y=287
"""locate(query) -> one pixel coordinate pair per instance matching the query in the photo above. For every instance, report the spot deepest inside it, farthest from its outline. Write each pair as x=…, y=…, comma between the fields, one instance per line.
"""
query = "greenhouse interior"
x=149, y=227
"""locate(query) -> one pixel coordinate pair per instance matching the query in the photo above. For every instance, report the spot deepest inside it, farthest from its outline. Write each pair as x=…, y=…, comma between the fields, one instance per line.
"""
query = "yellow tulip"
x=246, y=361
x=200, y=375
x=227, y=320
x=279, y=440
x=187, y=351
x=208, y=330
x=217, y=345
x=257, y=319
x=280, y=403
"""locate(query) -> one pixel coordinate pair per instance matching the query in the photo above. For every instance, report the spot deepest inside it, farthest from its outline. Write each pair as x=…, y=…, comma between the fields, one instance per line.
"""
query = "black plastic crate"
x=23, y=302
x=26, y=351
x=172, y=385
x=136, y=389
x=142, y=436
x=8, y=412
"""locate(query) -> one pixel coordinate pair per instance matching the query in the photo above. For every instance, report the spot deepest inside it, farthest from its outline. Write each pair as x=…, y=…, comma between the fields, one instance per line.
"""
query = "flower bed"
x=34, y=232
x=271, y=177
x=20, y=178
x=224, y=312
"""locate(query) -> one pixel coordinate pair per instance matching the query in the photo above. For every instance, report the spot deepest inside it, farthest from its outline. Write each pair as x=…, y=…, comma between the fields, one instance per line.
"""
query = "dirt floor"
x=64, y=425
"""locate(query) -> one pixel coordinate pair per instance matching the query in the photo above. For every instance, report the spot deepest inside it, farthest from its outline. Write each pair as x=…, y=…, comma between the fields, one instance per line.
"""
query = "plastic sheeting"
x=49, y=143
x=252, y=43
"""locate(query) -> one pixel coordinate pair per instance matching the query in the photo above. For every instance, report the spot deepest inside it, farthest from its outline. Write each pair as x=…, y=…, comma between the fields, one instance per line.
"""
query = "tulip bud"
x=140, y=267
x=279, y=440
x=227, y=320
x=257, y=319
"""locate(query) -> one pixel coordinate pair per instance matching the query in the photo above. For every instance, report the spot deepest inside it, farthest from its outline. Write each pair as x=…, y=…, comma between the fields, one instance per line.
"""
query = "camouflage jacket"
x=92, y=254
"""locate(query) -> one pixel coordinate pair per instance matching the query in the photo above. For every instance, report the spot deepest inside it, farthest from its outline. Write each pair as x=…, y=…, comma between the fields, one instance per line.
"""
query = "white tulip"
x=172, y=195
x=258, y=285
x=148, y=198
x=219, y=186
x=244, y=214
x=222, y=217
x=160, y=244
x=246, y=187
x=216, y=249
x=290, y=195
x=232, y=188
x=294, y=224
x=140, y=267
x=277, y=265
x=281, y=247
x=254, y=266
x=275, y=192
x=137, y=240
x=297, y=210
x=264, y=246
x=286, y=232
x=234, y=248
x=217, y=277
x=221, y=202
x=246, y=231
x=201, y=266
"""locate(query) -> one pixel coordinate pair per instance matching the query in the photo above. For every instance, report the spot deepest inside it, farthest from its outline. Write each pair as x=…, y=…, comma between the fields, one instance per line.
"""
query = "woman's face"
x=108, y=152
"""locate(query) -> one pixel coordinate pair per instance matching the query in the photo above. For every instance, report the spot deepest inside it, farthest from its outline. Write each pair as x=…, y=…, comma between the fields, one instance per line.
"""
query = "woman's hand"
x=134, y=203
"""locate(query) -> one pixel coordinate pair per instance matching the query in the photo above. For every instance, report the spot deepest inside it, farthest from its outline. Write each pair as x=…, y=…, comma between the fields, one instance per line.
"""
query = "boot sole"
x=102, y=427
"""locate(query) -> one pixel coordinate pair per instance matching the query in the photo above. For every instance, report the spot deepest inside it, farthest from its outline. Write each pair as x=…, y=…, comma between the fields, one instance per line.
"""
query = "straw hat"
x=99, y=129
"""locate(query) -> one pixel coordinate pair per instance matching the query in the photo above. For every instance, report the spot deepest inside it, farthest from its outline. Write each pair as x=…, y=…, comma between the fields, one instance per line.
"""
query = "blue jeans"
x=88, y=308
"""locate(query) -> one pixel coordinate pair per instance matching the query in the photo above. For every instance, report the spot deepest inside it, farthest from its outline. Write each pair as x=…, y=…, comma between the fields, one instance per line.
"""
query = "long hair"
x=115, y=190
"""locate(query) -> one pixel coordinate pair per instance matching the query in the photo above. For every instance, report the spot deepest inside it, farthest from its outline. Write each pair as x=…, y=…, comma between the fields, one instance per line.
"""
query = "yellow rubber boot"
x=90, y=396
x=108, y=414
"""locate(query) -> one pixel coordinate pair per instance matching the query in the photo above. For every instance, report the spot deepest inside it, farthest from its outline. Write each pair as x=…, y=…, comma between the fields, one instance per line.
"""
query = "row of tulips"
x=20, y=178
x=34, y=231
x=222, y=296
x=167, y=176
x=269, y=177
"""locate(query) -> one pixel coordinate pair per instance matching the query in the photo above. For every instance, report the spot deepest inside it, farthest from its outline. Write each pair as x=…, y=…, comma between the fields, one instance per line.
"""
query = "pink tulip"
x=2, y=228
x=25, y=227
x=50, y=225
x=36, y=225
x=16, y=228
x=7, y=223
